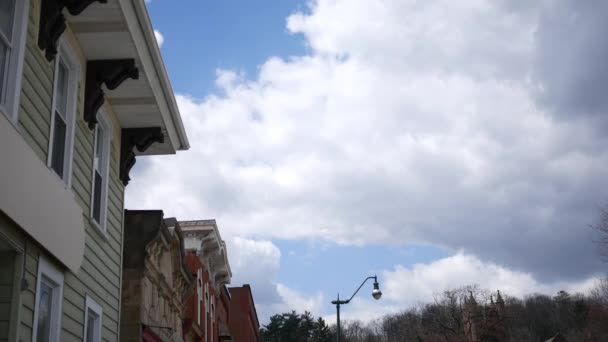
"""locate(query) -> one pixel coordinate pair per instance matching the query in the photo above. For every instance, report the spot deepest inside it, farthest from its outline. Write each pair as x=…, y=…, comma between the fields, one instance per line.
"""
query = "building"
x=485, y=322
x=207, y=307
x=223, y=315
x=244, y=323
x=155, y=278
x=82, y=84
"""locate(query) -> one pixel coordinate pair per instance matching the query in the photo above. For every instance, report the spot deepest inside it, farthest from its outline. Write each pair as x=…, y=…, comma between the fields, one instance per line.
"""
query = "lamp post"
x=376, y=293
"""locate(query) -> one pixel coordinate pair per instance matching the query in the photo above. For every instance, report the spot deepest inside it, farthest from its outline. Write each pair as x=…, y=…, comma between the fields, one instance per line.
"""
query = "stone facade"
x=155, y=278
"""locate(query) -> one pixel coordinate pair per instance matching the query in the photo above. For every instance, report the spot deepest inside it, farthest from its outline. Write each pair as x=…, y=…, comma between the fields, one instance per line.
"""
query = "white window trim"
x=51, y=272
x=67, y=54
x=104, y=121
x=10, y=106
x=90, y=304
x=199, y=294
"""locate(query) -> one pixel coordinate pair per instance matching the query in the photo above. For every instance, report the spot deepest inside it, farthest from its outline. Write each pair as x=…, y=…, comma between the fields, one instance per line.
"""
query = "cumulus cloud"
x=159, y=38
x=257, y=262
x=407, y=287
x=300, y=302
x=421, y=282
x=407, y=122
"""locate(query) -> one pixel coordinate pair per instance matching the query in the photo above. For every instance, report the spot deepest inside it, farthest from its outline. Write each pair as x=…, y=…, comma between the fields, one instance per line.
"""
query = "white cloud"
x=159, y=38
x=419, y=283
x=257, y=262
x=300, y=302
x=408, y=287
x=406, y=122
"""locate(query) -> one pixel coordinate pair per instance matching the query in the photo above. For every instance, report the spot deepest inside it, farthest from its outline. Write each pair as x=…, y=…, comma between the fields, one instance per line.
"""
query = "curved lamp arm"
x=360, y=286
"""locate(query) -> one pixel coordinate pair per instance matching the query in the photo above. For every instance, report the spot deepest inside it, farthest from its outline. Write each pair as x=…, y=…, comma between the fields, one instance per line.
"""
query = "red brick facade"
x=244, y=323
x=203, y=310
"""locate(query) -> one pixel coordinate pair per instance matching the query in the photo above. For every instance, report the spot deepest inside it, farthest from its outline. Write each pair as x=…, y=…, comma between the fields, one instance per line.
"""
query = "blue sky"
x=430, y=143
x=211, y=35
x=232, y=34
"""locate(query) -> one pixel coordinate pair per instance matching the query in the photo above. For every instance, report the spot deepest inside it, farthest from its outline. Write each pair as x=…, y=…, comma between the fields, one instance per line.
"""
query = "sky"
x=434, y=144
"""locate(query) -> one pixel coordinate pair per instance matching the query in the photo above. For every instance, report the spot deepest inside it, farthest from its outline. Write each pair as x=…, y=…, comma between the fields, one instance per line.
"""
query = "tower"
x=471, y=318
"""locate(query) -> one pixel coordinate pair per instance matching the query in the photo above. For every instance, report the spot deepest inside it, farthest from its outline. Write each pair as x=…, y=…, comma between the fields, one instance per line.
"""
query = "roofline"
x=151, y=47
x=255, y=311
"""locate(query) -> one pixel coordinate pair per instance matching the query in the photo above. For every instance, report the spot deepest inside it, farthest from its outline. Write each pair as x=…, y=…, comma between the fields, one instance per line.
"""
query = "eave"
x=204, y=237
x=121, y=29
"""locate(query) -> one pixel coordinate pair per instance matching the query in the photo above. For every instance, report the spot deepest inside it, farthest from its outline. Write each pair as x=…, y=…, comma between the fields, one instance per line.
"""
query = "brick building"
x=206, y=316
x=244, y=323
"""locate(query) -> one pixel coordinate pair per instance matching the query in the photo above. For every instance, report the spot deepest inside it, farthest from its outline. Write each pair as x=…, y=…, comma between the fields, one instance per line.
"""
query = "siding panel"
x=100, y=273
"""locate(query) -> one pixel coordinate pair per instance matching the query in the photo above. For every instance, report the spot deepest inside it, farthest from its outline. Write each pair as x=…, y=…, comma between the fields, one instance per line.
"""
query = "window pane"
x=61, y=92
x=91, y=322
x=99, y=147
x=58, y=145
x=97, y=197
x=3, y=66
x=7, y=12
x=44, y=312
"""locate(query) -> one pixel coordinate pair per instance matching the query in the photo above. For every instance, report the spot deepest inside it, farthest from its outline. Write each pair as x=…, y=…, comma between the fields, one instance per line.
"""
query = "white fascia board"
x=151, y=61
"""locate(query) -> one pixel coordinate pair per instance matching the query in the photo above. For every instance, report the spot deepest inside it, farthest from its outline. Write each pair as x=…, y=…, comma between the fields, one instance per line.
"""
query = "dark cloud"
x=571, y=57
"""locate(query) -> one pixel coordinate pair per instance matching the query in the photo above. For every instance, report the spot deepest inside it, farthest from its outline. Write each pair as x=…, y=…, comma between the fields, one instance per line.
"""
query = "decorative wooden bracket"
x=140, y=138
x=112, y=72
x=52, y=22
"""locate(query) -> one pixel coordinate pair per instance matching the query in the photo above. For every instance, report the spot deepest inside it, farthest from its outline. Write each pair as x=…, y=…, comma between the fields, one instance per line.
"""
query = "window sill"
x=63, y=181
x=96, y=227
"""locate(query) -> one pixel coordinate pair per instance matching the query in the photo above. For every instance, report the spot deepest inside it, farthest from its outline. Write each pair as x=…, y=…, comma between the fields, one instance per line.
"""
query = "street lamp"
x=376, y=293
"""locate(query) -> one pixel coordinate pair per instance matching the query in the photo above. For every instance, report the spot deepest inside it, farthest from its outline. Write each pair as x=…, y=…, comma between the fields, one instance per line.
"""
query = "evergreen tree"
x=321, y=332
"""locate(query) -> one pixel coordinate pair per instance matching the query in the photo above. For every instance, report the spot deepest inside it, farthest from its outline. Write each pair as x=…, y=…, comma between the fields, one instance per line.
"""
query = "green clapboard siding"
x=100, y=273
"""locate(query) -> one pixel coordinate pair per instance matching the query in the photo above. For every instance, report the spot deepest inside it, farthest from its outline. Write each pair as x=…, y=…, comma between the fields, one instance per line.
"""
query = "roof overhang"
x=204, y=237
x=121, y=29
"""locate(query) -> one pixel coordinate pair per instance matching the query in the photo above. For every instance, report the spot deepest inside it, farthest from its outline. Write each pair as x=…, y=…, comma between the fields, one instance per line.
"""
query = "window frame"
x=92, y=305
x=54, y=274
x=9, y=96
x=206, y=309
x=65, y=54
x=104, y=122
x=199, y=294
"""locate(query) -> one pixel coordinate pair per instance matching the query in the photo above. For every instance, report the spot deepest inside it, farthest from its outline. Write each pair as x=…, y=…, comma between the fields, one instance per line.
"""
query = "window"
x=212, y=317
x=199, y=294
x=92, y=322
x=101, y=166
x=64, y=112
x=206, y=308
x=49, y=295
x=13, y=14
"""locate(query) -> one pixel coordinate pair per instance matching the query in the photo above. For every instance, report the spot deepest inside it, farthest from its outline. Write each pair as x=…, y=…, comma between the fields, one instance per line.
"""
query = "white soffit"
x=103, y=32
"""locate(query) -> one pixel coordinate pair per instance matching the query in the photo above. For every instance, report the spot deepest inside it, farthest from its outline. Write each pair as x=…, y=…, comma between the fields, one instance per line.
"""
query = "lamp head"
x=376, y=293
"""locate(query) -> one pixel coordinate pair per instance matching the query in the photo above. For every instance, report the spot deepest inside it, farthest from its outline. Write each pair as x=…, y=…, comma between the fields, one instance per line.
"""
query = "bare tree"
x=600, y=292
x=602, y=229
